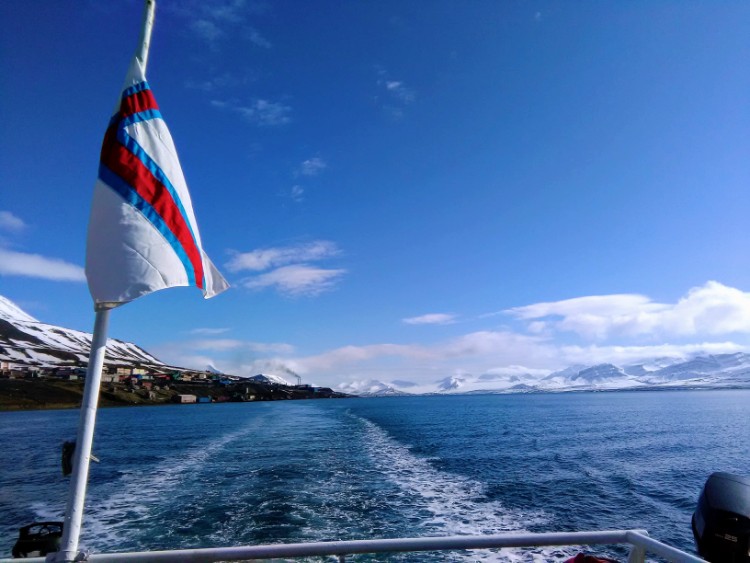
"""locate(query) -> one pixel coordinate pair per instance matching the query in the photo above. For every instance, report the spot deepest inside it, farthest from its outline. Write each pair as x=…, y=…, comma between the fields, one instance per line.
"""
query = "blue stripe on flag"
x=131, y=145
x=135, y=88
x=132, y=197
x=141, y=116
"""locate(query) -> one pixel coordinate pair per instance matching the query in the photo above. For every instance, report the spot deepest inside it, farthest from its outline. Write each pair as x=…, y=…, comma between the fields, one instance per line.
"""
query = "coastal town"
x=44, y=366
x=32, y=387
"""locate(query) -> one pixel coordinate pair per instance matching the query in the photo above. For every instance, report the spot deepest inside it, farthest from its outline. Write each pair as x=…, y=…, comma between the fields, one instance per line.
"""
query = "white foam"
x=111, y=521
x=450, y=504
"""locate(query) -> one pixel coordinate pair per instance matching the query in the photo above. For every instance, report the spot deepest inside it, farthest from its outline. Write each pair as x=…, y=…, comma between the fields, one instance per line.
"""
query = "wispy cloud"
x=297, y=280
x=257, y=39
x=37, y=266
x=297, y=193
x=258, y=112
x=209, y=331
x=265, y=258
x=711, y=309
x=9, y=222
x=393, y=95
x=214, y=21
x=220, y=82
x=226, y=344
x=312, y=166
x=207, y=30
x=289, y=269
x=399, y=90
x=431, y=319
x=234, y=356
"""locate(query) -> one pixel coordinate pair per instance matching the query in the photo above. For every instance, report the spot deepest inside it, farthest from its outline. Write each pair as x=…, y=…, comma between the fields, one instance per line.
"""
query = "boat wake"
x=442, y=503
x=119, y=513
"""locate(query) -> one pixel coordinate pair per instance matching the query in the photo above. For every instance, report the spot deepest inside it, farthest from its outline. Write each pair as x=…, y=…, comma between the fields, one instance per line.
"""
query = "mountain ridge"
x=27, y=341
x=708, y=371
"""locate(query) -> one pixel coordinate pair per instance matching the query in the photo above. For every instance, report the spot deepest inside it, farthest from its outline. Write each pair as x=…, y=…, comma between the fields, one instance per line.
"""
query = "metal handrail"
x=639, y=541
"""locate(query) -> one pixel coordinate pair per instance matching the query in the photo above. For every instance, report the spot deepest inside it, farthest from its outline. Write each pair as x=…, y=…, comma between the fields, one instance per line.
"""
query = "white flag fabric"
x=142, y=233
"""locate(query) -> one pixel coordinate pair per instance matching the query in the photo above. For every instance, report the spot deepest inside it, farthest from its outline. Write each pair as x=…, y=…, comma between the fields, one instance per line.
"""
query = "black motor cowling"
x=38, y=539
x=721, y=523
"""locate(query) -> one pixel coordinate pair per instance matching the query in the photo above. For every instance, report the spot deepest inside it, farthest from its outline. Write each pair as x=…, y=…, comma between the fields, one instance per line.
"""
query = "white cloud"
x=620, y=355
x=348, y=356
x=502, y=354
x=36, y=266
x=217, y=82
x=297, y=193
x=514, y=370
x=206, y=30
x=288, y=268
x=265, y=258
x=209, y=330
x=431, y=319
x=232, y=356
x=400, y=91
x=476, y=352
x=226, y=344
x=259, y=112
x=711, y=309
x=257, y=39
x=296, y=280
x=215, y=20
x=10, y=222
x=267, y=113
x=393, y=95
x=312, y=166
x=228, y=11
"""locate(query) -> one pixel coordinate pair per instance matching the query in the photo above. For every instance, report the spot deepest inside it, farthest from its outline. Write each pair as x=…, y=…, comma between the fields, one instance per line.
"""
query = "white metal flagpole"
x=87, y=421
x=148, y=24
x=79, y=478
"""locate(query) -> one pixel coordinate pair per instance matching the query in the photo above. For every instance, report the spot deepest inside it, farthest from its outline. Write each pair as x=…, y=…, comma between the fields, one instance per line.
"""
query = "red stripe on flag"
x=126, y=165
x=137, y=102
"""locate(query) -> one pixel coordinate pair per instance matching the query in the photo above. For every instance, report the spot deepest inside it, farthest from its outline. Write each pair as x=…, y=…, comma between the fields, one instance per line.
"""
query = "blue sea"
x=268, y=472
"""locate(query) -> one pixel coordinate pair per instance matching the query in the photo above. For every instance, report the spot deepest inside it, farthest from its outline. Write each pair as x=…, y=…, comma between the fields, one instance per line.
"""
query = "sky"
x=401, y=190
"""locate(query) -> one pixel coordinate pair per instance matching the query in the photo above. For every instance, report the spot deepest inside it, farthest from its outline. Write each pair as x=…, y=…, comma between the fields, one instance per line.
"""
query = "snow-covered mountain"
x=707, y=371
x=453, y=383
x=375, y=388
x=25, y=340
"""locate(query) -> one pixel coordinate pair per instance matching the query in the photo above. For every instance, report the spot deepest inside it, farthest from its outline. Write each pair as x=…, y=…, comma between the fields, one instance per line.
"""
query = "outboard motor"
x=721, y=523
x=38, y=539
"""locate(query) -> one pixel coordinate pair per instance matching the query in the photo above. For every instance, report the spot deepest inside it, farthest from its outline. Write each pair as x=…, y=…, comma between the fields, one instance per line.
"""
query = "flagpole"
x=87, y=421
x=144, y=42
x=77, y=493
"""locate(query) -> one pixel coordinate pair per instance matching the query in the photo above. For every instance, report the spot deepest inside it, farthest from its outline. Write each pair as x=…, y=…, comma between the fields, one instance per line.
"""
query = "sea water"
x=249, y=473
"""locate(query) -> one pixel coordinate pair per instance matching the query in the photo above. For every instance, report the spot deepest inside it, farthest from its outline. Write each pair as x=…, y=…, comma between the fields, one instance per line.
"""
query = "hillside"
x=25, y=340
x=41, y=366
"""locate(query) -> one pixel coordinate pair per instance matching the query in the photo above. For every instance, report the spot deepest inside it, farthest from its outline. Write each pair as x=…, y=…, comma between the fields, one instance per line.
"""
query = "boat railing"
x=639, y=541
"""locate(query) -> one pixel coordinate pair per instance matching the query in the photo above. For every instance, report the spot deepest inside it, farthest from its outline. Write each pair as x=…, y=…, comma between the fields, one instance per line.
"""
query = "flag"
x=142, y=233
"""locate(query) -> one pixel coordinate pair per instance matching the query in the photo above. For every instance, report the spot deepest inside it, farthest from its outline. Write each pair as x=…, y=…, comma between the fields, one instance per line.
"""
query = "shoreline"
x=52, y=394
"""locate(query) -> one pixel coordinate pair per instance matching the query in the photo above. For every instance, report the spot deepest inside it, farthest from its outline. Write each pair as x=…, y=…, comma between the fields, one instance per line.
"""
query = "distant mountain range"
x=706, y=372
x=25, y=340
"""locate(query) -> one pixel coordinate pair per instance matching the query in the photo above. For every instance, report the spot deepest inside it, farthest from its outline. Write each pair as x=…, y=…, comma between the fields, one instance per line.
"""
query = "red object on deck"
x=585, y=558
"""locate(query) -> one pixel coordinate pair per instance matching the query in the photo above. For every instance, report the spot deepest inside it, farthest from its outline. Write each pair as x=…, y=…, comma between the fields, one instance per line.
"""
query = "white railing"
x=639, y=541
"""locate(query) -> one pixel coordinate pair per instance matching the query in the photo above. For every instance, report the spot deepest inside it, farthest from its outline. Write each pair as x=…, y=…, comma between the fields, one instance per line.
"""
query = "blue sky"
x=401, y=190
